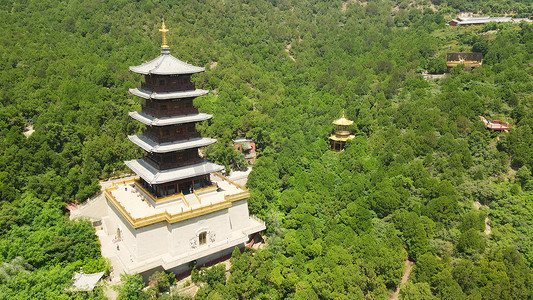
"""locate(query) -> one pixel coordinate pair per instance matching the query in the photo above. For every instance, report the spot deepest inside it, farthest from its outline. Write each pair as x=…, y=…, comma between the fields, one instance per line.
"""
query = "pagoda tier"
x=147, y=94
x=170, y=160
x=154, y=176
x=172, y=120
x=166, y=64
x=169, y=108
x=151, y=146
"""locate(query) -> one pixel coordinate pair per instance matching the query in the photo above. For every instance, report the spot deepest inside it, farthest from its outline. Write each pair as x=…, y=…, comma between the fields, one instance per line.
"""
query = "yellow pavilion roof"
x=342, y=121
x=337, y=138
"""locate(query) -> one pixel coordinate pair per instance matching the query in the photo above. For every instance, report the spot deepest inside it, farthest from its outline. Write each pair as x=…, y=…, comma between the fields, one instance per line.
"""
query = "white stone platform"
x=139, y=205
x=153, y=234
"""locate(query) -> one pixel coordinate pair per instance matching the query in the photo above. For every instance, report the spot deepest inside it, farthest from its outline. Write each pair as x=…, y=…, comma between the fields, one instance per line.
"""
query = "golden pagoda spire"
x=164, y=30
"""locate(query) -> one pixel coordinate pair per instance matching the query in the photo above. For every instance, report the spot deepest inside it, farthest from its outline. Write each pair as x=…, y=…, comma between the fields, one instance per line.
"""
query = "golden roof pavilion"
x=342, y=133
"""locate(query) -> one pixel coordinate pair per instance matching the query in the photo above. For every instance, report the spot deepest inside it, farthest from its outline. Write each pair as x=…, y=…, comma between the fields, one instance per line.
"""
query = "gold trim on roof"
x=173, y=218
x=177, y=217
x=341, y=138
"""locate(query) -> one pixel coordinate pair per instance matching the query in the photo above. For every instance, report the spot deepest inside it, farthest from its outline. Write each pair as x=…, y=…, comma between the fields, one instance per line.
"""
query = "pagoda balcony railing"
x=169, y=113
x=172, y=138
x=156, y=198
x=253, y=217
x=212, y=186
x=167, y=88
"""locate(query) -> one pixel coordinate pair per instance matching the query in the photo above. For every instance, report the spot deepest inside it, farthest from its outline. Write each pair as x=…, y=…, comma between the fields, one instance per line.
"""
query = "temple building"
x=247, y=148
x=338, y=139
x=468, y=21
x=469, y=60
x=177, y=209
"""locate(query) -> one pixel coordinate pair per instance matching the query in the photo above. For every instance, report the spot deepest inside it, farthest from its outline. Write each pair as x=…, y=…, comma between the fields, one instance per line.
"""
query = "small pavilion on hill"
x=338, y=139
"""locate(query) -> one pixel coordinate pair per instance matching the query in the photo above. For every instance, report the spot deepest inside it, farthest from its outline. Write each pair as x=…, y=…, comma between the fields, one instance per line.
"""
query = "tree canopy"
x=339, y=225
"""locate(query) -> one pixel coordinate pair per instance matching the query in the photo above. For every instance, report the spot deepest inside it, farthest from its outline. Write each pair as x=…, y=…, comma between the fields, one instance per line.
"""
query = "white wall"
x=152, y=240
x=127, y=232
x=183, y=233
x=239, y=216
x=175, y=239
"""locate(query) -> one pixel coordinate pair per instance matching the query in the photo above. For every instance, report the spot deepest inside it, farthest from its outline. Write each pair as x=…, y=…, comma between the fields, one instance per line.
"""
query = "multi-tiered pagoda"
x=171, y=164
x=177, y=210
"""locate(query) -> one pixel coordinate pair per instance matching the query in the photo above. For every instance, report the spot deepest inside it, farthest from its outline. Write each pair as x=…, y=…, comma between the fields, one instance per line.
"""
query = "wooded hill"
x=339, y=225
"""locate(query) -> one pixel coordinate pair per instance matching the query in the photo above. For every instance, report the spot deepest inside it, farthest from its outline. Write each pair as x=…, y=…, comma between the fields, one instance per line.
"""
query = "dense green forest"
x=417, y=182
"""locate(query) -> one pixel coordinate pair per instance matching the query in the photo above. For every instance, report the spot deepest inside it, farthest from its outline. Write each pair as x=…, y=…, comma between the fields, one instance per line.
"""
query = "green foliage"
x=159, y=283
x=402, y=188
x=524, y=177
x=416, y=291
x=436, y=66
x=130, y=287
x=385, y=201
x=471, y=241
x=442, y=209
x=195, y=274
x=457, y=70
x=222, y=153
x=473, y=220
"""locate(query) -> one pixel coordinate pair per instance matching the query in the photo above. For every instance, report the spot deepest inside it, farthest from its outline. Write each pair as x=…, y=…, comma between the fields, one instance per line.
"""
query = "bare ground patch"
x=405, y=277
x=288, y=50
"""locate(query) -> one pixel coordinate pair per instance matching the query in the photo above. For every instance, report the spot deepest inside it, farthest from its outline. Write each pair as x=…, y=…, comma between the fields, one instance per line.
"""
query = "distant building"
x=496, y=125
x=177, y=210
x=337, y=140
x=470, y=60
x=467, y=21
x=247, y=147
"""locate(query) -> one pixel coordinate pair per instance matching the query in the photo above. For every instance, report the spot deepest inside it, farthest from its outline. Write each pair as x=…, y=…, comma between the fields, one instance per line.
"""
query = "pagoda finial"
x=164, y=30
x=343, y=116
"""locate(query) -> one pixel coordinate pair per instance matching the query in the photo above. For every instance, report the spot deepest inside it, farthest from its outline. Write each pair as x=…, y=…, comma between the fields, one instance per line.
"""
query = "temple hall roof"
x=165, y=121
x=152, y=146
x=167, y=95
x=155, y=176
x=166, y=64
x=465, y=20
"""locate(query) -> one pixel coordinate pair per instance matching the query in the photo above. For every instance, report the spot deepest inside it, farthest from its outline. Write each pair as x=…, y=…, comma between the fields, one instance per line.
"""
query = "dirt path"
x=346, y=2
x=288, y=50
x=488, y=228
x=406, y=275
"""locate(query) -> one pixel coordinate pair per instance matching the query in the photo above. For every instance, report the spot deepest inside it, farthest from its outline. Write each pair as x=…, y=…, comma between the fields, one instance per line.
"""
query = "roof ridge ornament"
x=164, y=30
